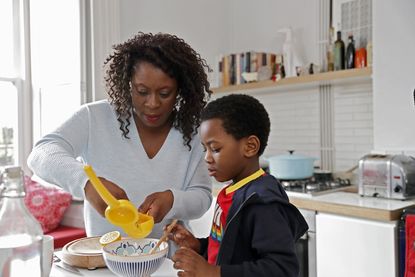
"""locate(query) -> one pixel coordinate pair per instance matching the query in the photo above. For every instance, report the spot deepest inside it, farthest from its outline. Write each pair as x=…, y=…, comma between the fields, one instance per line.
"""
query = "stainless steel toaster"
x=388, y=176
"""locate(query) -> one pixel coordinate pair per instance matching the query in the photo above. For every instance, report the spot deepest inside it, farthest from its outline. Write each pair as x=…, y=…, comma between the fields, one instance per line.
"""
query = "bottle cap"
x=13, y=171
x=12, y=182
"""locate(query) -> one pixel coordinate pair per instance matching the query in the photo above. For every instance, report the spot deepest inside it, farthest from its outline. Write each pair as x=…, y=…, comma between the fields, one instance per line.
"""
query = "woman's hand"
x=192, y=264
x=157, y=205
x=183, y=238
x=96, y=201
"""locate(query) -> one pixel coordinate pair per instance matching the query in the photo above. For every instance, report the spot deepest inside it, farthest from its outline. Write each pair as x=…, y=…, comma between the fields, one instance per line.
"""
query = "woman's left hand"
x=157, y=205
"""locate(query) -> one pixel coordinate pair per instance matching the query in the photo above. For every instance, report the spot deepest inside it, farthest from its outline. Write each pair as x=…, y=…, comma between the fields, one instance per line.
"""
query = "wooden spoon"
x=164, y=236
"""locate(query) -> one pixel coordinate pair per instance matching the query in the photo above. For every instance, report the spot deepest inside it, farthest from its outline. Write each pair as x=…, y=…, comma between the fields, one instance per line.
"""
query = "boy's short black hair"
x=242, y=116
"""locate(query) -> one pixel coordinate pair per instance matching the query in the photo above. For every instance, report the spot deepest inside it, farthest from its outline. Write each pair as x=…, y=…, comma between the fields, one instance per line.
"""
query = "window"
x=40, y=71
x=9, y=80
x=8, y=122
x=56, y=62
x=6, y=33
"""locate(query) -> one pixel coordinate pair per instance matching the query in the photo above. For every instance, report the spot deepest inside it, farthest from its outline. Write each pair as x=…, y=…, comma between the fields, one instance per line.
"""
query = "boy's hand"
x=183, y=238
x=192, y=264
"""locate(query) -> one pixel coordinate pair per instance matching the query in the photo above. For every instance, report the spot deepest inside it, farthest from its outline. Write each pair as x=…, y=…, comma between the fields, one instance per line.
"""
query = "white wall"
x=295, y=122
x=255, y=25
x=394, y=75
x=202, y=24
x=223, y=26
x=103, y=31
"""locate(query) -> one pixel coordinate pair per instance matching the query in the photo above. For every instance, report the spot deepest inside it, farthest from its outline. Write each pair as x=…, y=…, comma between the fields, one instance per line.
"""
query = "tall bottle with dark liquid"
x=350, y=53
x=339, y=52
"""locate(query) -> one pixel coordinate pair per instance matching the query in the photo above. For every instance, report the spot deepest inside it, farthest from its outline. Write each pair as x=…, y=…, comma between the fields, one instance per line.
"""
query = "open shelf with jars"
x=333, y=77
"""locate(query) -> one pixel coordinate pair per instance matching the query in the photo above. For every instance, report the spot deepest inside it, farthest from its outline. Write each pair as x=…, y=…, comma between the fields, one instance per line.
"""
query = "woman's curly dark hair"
x=178, y=60
x=242, y=116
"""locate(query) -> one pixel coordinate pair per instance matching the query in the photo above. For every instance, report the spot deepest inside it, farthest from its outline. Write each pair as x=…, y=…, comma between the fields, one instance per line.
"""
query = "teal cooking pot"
x=291, y=166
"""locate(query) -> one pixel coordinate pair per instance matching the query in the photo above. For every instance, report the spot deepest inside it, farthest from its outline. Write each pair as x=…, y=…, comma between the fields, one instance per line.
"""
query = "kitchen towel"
x=410, y=245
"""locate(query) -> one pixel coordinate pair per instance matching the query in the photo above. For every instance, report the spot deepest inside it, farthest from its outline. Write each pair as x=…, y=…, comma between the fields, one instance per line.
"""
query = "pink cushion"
x=47, y=204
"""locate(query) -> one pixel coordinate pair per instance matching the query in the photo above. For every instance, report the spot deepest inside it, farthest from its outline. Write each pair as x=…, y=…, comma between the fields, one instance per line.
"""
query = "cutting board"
x=84, y=253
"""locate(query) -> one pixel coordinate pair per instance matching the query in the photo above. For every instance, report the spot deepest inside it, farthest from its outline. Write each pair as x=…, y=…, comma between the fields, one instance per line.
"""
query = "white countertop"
x=352, y=204
x=354, y=199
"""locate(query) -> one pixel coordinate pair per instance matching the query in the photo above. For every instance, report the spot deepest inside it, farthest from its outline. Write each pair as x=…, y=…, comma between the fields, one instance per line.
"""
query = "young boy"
x=254, y=228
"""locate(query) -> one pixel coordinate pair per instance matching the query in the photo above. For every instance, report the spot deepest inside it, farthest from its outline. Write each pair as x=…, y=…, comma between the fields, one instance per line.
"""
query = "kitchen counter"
x=352, y=204
x=346, y=202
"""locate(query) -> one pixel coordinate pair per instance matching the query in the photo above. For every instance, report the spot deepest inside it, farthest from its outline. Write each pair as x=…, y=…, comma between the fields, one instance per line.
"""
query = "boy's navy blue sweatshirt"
x=261, y=230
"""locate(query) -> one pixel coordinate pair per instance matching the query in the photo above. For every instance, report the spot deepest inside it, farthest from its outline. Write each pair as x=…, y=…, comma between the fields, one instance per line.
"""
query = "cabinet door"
x=355, y=247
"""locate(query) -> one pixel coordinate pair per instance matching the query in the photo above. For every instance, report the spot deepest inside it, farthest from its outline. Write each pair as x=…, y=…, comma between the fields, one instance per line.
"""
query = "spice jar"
x=360, y=58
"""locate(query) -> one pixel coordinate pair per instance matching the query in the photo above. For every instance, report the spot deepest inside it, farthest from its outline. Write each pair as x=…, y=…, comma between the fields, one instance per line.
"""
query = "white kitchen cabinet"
x=348, y=246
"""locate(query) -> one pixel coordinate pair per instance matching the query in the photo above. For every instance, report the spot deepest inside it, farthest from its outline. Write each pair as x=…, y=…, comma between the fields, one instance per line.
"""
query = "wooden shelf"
x=333, y=77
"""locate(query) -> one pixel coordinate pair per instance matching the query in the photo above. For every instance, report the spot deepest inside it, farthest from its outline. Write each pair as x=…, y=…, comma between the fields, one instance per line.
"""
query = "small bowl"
x=131, y=257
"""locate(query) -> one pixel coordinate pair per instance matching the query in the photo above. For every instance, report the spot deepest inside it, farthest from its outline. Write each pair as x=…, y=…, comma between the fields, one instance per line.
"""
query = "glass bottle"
x=360, y=59
x=339, y=52
x=350, y=53
x=369, y=53
x=20, y=233
x=330, y=50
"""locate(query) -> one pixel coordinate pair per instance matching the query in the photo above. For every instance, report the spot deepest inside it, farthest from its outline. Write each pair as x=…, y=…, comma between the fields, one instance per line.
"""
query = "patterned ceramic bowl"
x=131, y=257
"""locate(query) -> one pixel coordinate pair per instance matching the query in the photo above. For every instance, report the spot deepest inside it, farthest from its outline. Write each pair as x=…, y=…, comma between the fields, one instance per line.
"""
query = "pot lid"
x=292, y=156
x=321, y=171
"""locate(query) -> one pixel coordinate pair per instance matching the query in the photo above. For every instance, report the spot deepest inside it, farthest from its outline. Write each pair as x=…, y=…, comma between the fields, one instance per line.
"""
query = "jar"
x=360, y=58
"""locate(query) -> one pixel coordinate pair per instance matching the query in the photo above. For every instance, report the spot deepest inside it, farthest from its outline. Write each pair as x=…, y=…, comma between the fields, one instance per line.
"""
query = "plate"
x=89, y=245
x=84, y=253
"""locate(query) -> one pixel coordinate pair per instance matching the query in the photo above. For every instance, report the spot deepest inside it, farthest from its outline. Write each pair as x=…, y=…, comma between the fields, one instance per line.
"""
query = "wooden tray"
x=84, y=253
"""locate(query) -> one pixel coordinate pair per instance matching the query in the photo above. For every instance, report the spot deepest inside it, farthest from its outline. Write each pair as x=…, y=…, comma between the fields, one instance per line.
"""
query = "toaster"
x=387, y=176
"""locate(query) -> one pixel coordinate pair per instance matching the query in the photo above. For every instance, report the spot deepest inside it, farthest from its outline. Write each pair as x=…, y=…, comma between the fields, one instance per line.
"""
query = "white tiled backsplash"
x=353, y=124
x=295, y=122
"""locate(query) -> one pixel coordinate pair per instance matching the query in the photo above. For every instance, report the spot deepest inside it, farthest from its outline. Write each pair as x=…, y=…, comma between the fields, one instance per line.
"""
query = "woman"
x=142, y=142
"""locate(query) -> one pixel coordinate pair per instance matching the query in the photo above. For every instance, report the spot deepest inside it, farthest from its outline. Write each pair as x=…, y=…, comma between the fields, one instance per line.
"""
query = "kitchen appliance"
x=314, y=185
x=121, y=212
x=388, y=176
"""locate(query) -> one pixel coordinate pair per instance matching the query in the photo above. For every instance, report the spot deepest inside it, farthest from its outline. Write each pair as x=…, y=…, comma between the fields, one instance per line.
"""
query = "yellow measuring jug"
x=121, y=212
